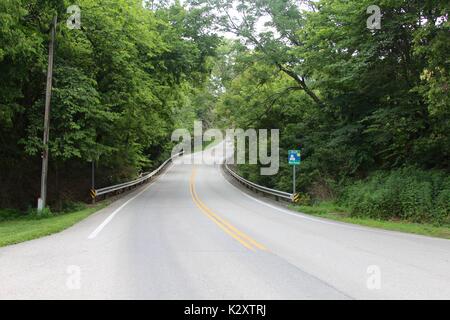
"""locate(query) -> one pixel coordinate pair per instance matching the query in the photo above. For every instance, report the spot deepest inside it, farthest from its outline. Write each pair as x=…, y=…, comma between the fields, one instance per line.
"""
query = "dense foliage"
x=355, y=100
x=369, y=108
x=119, y=85
x=406, y=193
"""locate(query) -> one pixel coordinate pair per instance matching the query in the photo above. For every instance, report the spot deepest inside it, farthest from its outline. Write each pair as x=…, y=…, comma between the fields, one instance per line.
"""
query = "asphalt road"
x=194, y=235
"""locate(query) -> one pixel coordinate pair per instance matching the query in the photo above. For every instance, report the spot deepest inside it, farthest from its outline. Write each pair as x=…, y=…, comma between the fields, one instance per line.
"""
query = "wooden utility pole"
x=48, y=94
x=93, y=181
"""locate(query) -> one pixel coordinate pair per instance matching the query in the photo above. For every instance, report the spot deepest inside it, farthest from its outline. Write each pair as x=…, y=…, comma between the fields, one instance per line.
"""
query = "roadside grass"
x=334, y=212
x=28, y=228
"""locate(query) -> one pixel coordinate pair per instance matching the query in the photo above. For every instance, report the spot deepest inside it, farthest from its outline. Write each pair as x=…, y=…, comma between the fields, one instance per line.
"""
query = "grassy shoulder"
x=26, y=228
x=338, y=213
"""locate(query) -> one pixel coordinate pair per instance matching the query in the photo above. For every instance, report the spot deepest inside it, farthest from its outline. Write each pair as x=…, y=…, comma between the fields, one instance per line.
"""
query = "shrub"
x=73, y=206
x=304, y=199
x=9, y=214
x=442, y=207
x=33, y=213
x=408, y=193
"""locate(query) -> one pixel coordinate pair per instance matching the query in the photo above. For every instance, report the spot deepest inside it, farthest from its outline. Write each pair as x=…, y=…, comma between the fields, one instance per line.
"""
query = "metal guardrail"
x=251, y=185
x=126, y=185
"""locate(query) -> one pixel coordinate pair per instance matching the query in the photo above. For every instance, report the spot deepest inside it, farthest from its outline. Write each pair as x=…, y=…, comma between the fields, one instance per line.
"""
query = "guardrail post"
x=93, y=195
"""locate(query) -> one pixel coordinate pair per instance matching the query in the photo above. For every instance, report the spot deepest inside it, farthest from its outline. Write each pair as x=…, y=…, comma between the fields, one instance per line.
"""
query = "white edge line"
x=341, y=224
x=111, y=216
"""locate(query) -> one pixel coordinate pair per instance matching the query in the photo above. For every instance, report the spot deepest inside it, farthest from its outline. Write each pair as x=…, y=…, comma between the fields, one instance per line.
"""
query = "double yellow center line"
x=228, y=228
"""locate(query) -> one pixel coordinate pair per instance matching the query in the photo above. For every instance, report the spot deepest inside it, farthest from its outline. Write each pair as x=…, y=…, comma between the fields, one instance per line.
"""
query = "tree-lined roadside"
x=369, y=108
x=121, y=84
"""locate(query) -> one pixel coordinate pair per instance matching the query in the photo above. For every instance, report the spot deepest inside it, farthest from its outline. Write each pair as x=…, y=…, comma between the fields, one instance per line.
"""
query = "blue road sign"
x=294, y=157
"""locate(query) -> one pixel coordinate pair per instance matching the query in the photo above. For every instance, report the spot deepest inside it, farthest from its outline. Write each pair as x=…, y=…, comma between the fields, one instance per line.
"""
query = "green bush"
x=304, y=199
x=442, y=207
x=408, y=193
x=71, y=206
x=33, y=213
x=9, y=214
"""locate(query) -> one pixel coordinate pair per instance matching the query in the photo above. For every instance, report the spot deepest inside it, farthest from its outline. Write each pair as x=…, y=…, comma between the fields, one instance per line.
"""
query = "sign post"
x=294, y=159
x=293, y=180
x=93, y=181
